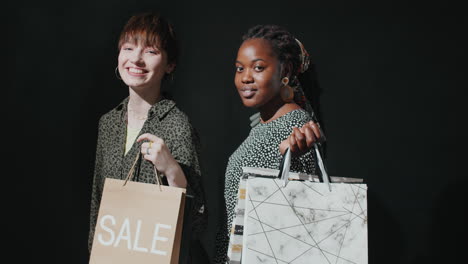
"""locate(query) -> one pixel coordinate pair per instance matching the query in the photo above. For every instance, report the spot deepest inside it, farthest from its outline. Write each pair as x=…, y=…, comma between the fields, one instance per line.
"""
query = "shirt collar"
x=159, y=109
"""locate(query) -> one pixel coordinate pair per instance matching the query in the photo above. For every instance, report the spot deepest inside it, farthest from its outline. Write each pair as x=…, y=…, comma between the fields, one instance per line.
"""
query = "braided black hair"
x=287, y=50
x=283, y=43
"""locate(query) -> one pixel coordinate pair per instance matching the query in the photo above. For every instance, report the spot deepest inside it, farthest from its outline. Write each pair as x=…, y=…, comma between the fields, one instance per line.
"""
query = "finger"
x=310, y=137
x=300, y=139
x=158, y=147
x=283, y=146
x=292, y=143
x=145, y=145
x=147, y=136
x=148, y=157
x=146, y=150
x=315, y=128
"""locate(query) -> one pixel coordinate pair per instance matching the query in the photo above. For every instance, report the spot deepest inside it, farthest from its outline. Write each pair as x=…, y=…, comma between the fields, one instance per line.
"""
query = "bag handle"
x=325, y=177
x=286, y=163
x=132, y=169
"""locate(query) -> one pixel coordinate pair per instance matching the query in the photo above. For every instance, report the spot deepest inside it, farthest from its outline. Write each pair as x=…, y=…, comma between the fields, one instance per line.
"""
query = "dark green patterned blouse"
x=165, y=121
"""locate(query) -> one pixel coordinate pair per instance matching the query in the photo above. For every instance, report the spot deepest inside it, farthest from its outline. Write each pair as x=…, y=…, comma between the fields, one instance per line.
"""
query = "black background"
x=391, y=76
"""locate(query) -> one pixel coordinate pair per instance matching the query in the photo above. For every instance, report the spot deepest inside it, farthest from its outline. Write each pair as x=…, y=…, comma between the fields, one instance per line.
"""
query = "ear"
x=286, y=70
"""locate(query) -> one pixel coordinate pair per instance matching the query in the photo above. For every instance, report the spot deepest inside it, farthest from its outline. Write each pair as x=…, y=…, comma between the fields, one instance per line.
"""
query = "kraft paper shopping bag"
x=138, y=223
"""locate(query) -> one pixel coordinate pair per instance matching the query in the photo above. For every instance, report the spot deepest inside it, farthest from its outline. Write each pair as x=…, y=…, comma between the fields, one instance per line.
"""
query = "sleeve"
x=97, y=187
x=186, y=152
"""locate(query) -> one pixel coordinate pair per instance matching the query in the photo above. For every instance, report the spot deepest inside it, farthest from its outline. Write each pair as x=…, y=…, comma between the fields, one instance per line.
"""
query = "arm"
x=181, y=167
x=96, y=188
x=191, y=148
x=156, y=151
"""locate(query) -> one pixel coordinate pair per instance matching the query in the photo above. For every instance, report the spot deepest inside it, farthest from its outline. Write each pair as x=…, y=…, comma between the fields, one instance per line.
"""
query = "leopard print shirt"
x=165, y=121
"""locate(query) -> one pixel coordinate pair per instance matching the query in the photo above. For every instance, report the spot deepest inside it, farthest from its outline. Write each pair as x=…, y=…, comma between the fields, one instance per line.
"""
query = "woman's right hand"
x=156, y=151
x=301, y=139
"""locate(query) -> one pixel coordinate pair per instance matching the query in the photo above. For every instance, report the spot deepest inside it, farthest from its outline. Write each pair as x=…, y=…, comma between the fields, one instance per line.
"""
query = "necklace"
x=142, y=117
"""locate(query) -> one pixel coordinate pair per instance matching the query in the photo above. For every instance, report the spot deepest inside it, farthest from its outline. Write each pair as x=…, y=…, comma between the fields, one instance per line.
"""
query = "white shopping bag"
x=299, y=220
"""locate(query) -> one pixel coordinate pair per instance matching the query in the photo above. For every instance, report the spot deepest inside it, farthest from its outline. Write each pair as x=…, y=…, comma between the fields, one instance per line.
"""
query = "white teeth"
x=133, y=70
x=247, y=92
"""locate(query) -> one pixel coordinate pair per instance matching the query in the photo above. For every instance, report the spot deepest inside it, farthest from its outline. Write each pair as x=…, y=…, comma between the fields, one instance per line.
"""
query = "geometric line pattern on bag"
x=277, y=259
x=336, y=230
x=358, y=215
x=302, y=241
x=311, y=188
x=300, y=220
x=272, y=251
x=355, y=213
x=300, y=207
x=302, y=224
x=260, y=202
x=278, y=229
x=357, y=200
x=349, y=221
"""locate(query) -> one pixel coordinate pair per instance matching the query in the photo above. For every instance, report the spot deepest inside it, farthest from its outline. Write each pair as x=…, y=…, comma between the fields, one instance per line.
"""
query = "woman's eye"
x=239, y=69
x=153, y=51
x=127, y=48
x=259, y=68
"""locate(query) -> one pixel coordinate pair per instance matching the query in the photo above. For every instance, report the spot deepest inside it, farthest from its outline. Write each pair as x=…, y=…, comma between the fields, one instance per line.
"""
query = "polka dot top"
x=261, y=149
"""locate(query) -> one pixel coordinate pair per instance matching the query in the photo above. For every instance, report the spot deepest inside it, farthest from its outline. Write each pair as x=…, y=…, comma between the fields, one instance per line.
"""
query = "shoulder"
x=177, y=124
x=107, y=118
x=178, y=115
x=297, y=118
x=113, y=114
x=176, y=118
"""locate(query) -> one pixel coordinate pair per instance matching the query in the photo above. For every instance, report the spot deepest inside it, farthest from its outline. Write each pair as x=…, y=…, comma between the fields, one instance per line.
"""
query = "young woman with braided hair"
x=268, y=63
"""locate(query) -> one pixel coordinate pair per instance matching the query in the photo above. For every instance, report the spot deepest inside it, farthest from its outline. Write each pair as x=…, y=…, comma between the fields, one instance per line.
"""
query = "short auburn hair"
x=152, y=30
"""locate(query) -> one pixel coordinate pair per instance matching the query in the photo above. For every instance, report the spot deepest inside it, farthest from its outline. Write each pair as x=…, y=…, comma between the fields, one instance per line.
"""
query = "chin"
x=136, y=85
x=249, y=103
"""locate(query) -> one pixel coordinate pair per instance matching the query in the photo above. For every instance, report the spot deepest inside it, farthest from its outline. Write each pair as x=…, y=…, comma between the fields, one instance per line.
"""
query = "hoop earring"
x=117, y=73
x=287, y=92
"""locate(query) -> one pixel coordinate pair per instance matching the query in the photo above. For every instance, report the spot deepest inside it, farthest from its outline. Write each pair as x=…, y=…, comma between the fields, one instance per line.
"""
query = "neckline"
x=279, y=118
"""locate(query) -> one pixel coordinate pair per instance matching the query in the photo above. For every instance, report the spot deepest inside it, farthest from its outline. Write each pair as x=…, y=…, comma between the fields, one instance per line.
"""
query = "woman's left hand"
x=157, y=152
x=301, y=139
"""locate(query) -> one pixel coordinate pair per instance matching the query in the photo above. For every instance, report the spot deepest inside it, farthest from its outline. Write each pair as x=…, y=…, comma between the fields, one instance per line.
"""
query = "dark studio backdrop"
x=388, y=78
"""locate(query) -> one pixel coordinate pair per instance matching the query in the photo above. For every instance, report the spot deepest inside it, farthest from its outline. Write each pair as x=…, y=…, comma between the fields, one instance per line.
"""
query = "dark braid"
x=283, y=43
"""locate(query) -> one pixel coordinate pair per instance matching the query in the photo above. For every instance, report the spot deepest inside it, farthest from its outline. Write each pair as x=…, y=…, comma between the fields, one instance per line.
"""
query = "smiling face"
x=141, y=66
x=257, y=78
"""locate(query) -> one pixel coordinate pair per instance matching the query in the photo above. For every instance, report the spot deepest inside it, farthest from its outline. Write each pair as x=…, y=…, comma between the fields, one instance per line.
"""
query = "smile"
x=136, y=71
x=247, y=92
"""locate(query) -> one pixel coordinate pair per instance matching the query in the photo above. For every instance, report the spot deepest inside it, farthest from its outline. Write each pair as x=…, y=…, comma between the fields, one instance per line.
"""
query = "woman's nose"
x=247, y=76
x=135, y=57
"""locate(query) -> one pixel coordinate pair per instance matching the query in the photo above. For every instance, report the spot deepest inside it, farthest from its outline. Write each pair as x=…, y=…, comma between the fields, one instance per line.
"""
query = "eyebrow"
x=252, y=60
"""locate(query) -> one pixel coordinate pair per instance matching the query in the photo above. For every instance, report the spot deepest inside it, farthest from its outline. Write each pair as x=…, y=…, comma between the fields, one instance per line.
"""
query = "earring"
x=117, y=73
x=287, y=93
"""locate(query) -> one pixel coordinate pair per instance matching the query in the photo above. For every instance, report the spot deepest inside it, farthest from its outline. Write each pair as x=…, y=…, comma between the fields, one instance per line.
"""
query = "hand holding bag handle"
x=286, y=164
x=156, y=174
x=132, y=169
